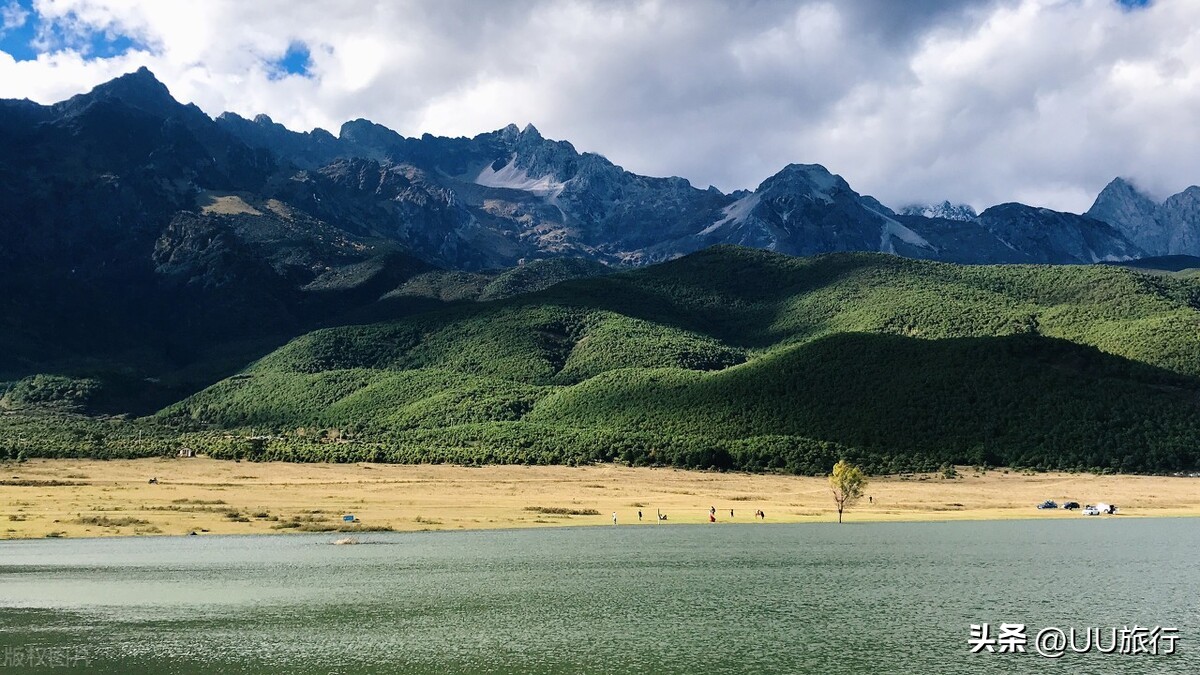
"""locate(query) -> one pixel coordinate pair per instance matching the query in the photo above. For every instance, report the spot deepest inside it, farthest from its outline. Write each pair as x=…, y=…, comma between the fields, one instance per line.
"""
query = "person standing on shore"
x=614, y=517
x=639, y=516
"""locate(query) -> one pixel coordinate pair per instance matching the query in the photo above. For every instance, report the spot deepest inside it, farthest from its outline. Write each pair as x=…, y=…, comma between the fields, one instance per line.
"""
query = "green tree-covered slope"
x=745, y=359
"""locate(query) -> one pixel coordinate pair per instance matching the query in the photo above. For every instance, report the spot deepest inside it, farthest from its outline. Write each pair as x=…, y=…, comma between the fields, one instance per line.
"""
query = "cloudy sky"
x=978, y=101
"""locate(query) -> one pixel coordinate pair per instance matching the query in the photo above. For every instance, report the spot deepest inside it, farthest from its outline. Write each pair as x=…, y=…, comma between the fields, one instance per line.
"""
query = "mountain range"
x=508, y=293
x=144, y=167
x=168, y=232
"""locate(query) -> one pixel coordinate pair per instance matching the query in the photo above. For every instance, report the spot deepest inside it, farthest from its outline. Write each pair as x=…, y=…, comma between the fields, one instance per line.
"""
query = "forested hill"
x=743, y=358
x=734, y=358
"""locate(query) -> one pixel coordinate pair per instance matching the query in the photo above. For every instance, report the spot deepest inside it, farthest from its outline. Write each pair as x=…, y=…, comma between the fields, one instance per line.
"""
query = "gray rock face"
x=1180, y=216
x=1052, y=236
x=1171, y=227
x=1134, y=214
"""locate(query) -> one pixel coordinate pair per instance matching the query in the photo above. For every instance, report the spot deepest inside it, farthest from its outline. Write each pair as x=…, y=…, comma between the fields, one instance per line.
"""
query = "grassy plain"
x=91, y=498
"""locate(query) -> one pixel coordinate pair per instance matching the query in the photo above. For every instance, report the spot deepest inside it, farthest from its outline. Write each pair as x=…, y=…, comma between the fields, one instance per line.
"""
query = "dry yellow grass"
x=87, y=498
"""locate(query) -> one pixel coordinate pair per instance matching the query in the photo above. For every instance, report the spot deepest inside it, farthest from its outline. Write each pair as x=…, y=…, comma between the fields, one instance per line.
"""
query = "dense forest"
x=729, y=358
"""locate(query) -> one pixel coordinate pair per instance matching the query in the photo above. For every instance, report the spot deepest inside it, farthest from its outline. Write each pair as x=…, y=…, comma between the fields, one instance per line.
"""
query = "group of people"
x=661, y=516
x=712, y=515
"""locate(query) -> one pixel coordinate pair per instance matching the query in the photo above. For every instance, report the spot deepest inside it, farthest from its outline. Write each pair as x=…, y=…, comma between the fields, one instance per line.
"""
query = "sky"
x=974, y=101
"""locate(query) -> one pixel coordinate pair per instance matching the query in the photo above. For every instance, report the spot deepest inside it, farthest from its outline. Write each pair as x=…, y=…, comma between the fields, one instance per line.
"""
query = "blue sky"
x=975, y=101
x=296, y=61
x=18, y=29
x=25, y=33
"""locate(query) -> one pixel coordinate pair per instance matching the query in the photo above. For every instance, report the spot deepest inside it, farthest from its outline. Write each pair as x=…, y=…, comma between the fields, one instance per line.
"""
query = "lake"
x=857, y=598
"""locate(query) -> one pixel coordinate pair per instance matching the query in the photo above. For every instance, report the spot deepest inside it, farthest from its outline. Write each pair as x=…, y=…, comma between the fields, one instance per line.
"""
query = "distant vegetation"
x=1165, y=263
x=562, y=511
x=537, y=275
x=726, y=359
x=69, y=392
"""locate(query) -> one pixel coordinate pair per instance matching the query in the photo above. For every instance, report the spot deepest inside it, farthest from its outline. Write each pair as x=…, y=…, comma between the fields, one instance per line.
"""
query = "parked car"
x=1048, y=504
x=1071, y=506
x=1090, y=510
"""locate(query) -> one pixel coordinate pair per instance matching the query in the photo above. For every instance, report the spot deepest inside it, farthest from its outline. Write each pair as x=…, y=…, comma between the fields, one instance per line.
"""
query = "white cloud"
x=989, y=101
x=12, y=15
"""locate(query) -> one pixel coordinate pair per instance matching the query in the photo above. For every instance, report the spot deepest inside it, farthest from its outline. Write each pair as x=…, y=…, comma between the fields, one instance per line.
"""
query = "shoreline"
x=333, y=536
x=97, y=498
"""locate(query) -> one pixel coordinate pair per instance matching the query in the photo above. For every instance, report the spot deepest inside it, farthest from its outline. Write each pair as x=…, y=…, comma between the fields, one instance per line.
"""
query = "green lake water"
x=858, y=598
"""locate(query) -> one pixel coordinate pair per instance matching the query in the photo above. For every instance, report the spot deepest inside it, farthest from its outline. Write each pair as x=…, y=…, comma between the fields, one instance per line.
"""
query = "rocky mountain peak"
x=139, y=89
x=1123, y=190
x=1133, y=213
x=1054, y=235
x=812, y=180
x=368, y=139
x=815, y=172
x=323, y=135
x=946, y=210
x=363, y=130
x=512, y=135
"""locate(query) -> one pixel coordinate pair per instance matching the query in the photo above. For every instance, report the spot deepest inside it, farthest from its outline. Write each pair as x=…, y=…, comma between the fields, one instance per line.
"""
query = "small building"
x=186, y=452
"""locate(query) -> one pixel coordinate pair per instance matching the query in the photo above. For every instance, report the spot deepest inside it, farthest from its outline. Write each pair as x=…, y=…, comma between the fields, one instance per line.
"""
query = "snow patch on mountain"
x=820, y=177
x=734, y=213
x=1111, y=258
x=892, y=229
x=822, y=181
x=514, y=178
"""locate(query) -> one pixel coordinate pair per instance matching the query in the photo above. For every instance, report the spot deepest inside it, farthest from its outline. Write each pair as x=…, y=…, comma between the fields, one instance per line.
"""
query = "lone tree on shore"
x=847, y=482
